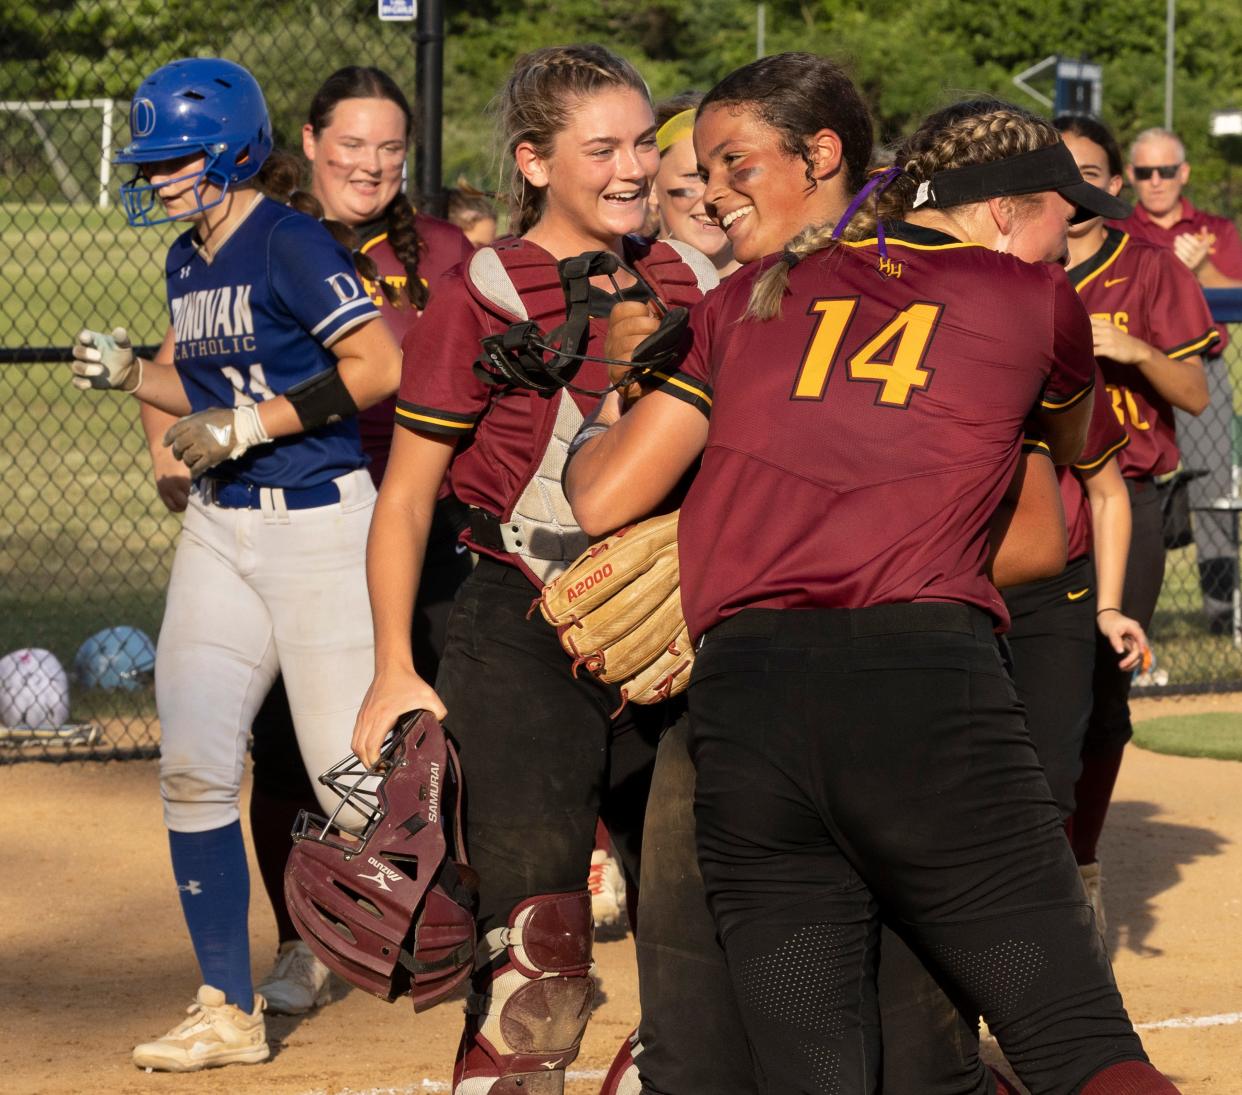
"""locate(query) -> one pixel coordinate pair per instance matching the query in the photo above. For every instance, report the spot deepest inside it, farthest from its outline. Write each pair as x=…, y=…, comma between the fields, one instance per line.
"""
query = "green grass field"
x=84, y=541
x=63, y=267
x=1213, y=734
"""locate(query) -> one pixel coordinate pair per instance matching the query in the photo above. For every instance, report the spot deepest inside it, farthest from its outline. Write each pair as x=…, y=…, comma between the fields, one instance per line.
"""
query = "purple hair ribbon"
x=877, y=184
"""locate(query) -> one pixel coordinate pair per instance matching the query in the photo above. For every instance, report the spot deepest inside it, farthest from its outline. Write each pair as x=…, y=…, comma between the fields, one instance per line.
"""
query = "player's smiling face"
x=756, y=190
x=356, y=159
x=679, y=190
x=1092, y=161
x=599, y=173
x=175, y=182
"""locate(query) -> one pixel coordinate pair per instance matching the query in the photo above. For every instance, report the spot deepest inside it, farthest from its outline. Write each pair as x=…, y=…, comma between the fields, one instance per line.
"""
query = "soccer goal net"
x=58, y=149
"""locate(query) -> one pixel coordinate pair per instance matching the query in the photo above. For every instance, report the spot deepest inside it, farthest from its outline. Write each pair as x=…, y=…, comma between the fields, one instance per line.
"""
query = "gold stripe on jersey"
x=1099, y=460
x=1056, y=405
x=432, y=420
x=374, y=241
x=1104, y=260
x=1036, y=446
x=893, y=241
x=1194, y=346
x=686, y=388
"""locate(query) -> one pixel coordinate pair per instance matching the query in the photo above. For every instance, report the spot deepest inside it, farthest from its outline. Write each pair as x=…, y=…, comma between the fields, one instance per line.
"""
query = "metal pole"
x=105, y=154
x=761, y=13
x=1170, y=20
x=430, y=63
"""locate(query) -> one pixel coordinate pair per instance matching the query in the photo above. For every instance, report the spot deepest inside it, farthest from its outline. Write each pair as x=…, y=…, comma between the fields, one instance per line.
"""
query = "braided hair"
x=974, y=131
x=537, y=102
x=365, y=82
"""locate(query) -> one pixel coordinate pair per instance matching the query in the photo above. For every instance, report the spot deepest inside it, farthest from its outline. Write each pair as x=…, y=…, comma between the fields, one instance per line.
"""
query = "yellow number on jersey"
x=834, y=319
x=893, y=357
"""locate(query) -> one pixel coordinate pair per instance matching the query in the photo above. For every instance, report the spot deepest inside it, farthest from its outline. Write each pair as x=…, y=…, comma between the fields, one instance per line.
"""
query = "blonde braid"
x=962, y=135
x=967, y=133
x=770, y=287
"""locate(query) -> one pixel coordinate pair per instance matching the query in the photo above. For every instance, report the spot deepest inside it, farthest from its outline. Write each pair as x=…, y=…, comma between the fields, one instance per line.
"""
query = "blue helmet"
x=200, y=105
x=116, y=657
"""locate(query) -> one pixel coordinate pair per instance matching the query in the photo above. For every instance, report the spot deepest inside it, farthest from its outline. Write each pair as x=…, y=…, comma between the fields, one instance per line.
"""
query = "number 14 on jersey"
x=892, y=357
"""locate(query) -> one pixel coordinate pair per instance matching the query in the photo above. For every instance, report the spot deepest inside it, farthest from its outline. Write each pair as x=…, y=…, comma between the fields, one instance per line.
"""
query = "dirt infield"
x=94, y=956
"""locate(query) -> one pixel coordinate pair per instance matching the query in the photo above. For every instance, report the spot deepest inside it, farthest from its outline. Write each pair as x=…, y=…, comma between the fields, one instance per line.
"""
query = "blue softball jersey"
x=258, y=317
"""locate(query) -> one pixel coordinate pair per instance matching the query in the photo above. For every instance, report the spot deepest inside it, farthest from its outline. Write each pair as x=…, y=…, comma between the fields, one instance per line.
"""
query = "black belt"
x=485, y=530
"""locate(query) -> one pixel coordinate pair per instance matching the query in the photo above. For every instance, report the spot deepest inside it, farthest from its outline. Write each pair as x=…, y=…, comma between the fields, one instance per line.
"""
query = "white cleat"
x=607, y=886
x=215, y=1033
x=298, y=982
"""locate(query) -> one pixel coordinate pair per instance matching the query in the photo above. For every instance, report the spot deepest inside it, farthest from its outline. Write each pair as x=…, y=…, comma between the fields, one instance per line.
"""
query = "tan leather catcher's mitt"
x=617, y=610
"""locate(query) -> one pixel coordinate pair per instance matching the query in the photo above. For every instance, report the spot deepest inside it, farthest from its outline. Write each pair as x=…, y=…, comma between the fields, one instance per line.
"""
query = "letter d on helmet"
x=198, y=106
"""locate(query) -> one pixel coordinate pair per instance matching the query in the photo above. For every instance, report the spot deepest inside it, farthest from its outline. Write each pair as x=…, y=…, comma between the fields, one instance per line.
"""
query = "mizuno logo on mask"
x=382, y=875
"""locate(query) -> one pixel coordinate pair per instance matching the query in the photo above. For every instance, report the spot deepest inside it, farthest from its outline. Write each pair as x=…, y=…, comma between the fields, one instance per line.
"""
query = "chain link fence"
x=86, y=544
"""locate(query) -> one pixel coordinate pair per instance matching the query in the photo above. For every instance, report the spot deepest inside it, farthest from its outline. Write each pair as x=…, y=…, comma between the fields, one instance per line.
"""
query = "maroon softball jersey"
x=1150, y=294
x=444, y=245
x=860, y=443
x=1105, y=438
x=505, y=431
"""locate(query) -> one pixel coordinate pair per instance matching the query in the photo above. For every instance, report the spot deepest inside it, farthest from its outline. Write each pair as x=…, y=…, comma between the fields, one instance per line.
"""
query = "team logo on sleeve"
x=345, y=286
x=142, y=118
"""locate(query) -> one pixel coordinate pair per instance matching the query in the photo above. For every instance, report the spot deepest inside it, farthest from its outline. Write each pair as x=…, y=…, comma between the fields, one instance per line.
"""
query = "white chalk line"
x=438, y=1085
x=1227, y=1019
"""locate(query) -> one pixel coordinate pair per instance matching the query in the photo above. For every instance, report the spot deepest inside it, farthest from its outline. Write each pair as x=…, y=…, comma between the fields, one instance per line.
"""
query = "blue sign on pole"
x=398, y=11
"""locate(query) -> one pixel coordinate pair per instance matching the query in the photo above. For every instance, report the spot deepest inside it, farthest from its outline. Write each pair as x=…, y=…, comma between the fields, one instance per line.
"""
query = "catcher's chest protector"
x=517, y=281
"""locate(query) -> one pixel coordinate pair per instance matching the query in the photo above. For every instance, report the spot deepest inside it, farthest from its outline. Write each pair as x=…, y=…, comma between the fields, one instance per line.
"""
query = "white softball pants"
x=255, y=592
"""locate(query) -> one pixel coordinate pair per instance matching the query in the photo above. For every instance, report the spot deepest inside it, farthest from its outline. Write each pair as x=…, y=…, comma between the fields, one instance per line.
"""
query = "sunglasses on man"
x=1165, y=171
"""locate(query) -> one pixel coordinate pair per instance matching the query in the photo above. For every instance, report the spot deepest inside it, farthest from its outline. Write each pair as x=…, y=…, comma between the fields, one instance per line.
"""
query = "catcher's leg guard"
x=623, y=1078
x=526, y=1027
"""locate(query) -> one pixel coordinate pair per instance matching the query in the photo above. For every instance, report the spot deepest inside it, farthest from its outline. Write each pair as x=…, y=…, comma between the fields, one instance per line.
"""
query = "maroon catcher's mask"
x=391, y=907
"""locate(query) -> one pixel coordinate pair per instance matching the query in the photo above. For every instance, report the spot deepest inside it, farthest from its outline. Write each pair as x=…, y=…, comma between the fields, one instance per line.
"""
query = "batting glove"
x=205, y=439
x=106, y=361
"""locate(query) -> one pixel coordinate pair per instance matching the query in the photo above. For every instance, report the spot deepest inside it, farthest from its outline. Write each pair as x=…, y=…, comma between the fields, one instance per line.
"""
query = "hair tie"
x=791, y=258
x=878, y=183
x=678, y=126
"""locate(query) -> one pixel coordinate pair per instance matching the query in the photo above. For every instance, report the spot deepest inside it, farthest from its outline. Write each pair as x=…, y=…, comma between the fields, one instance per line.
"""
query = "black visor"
x=1048, y=168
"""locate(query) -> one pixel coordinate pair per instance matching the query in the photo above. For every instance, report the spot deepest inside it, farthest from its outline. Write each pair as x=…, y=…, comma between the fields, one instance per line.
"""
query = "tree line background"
x=908, y=56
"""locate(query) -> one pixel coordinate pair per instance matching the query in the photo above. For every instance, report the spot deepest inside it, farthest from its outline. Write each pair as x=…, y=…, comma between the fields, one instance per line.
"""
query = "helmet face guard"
x=140, y=198
x=523, y=356
x=390, y=907
x=200, y=105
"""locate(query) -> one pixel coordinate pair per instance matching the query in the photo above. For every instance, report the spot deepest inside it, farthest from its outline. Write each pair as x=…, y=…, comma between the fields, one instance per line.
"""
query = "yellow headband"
x=678, y=126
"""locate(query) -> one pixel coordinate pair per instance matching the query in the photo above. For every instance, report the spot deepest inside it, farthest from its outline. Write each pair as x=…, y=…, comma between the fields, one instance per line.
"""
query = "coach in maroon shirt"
x=1210, y=247
x=1208, y=244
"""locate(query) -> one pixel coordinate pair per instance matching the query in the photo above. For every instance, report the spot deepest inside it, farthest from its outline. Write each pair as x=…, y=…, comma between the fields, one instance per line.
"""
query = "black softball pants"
x=1109, y=727
x=850, y=762
x=1052, y=639
x=542, y=757
x=692, y=1036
